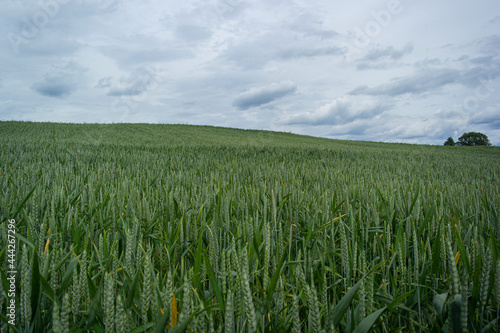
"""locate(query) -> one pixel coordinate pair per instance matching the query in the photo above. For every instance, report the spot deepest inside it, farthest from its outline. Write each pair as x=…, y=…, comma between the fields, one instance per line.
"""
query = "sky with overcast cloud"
x=381, y=70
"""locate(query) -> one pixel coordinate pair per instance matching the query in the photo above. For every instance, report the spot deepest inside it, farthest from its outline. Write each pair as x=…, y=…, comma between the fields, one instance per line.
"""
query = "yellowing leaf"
x=46, y=246
x=457, y=257
x=173, y=313
x=76, y=258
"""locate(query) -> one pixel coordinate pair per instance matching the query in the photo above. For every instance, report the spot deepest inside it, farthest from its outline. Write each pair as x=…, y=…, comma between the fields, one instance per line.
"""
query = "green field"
x=134, y=227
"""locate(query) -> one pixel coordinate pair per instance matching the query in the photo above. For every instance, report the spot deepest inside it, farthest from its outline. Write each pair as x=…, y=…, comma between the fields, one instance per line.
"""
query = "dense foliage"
x=473, y=139
x=167, y=227
x=449, y=142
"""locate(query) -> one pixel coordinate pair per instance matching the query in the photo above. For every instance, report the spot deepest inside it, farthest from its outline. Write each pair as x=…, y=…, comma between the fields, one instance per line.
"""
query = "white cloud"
x=263, y=95
x=429, y=72
x=343, y=110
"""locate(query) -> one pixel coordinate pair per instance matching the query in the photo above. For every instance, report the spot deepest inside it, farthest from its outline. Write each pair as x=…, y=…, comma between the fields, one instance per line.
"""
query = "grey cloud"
x=490, y=45
x=140, y=52
x=381, y=58
x=54, y=88
x=495, y=20
x=255, y=53
x=449, y=113
x=193, y=33
x=309, y=25
x=252, y=54
x=61, y=81
x=490, y=116
x=263, y=95
x=309, y=53
x=417, y=84
x=104, y=82
x=388, y=52
x=137, y=83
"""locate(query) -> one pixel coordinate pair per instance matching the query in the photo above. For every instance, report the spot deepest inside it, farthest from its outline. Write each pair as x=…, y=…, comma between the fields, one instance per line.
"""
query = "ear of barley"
x=109, y=302
x=464, y=308
x=237, y=281
x=344, y=250
x=415, y=254
x=101, y=250
x=444, y=251
x=267, y=253
x=25, y=302
x=155, y=294
x=83, y=280
x=299, y=273
x=75, y=301
x=485, y=277
x=54, y=274
x=369, y=293
x=314, y=311
x=200, y=324
x=213, y=250
x=211, y=325
x=56, y=318
x=388, y=241
x=247, y=293
x=324, y=295
x=147, y=289
x=455, y=284
x=186, y=299
x=296, y=315
x=497, y=284
x=362, y=300
x=65, y=312
x=121, y=316
x=229, y=321
x=224, y=272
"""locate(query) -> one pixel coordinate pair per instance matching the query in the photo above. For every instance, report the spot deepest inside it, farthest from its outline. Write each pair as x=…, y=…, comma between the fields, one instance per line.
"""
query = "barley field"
x=178, y=228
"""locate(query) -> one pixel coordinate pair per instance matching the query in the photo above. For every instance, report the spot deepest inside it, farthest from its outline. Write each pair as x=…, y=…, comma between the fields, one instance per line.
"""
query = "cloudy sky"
x=378, y=70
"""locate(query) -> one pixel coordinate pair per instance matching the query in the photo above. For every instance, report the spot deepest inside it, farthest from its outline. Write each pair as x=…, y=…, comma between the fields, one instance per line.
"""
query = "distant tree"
x=473, y=139
x=449, y=142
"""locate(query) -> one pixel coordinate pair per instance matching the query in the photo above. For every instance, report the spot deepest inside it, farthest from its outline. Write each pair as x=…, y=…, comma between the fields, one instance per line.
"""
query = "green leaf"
x=24, y=201
x=214, y=284
x=134, y=287
x=197, y=261
x=47, y=289
x=398, y=299
x=461, y=248
x=67, y=275
x=436, y=254
x=162, y=323
x=490, y=325
x=337, y=313
x=367, y=323
x=24, y=240
x=438, y=302
x=274, y=281
x=456, y=305
x=182, y=326
x=35, y=283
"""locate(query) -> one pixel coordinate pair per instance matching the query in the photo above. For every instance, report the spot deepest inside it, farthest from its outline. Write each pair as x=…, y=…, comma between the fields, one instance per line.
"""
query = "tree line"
x=469, y=139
